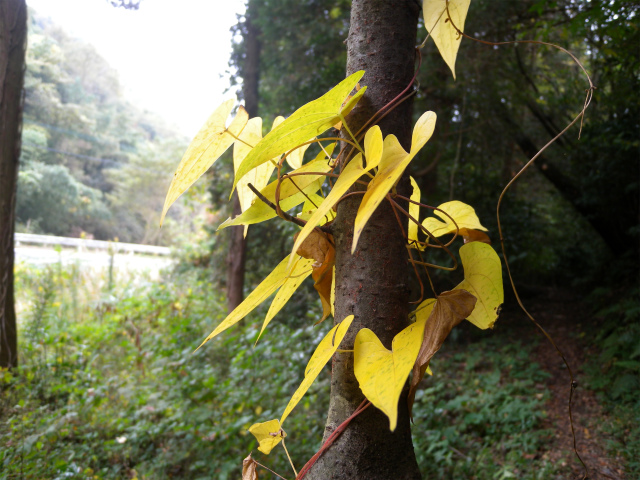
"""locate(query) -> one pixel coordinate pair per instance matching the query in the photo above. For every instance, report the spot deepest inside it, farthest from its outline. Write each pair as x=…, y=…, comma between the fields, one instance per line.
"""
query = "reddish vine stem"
x=336, y=433
x=580, y=117
x=451, y=255
x=427, y=231
x=413, y=264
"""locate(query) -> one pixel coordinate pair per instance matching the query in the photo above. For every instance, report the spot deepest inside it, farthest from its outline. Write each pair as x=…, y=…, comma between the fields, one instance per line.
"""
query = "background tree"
x=250, y=72
x=13, y=38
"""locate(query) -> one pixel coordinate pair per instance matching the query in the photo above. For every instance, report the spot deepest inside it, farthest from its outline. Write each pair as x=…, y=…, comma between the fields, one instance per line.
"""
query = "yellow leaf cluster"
x=304, y=124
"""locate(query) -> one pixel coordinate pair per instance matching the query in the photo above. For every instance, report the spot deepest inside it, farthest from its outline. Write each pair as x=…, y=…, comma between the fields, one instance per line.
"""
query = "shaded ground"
x=564, y=317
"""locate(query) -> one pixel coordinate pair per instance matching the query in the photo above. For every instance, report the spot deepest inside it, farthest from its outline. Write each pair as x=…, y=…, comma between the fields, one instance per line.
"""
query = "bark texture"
x=372, y=284
x=238, y=243
x=13, y=36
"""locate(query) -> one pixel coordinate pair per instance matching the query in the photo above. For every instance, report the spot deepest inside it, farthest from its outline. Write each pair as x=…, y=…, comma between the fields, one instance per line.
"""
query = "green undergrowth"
x=615, y=373
x=479, y=415
x=109, y=387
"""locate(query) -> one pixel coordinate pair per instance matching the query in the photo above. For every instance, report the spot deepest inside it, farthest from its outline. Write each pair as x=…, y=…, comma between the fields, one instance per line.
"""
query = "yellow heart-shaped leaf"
x=393, y=163
x=438, y=24
x=483, y=279
x=463, y=214
x=269, y=434
x=382, y=373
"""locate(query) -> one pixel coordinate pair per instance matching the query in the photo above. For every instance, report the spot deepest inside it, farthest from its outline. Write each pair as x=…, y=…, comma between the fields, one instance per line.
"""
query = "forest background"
x=108, y=386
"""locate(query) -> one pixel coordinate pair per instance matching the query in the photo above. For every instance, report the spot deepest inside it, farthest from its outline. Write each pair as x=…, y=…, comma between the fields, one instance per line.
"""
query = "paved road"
x=95, y=259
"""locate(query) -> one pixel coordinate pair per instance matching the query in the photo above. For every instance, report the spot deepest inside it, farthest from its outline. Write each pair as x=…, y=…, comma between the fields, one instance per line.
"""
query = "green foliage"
x=481, y=419
x=109, y=387
x=615, y=372
x=53, y=201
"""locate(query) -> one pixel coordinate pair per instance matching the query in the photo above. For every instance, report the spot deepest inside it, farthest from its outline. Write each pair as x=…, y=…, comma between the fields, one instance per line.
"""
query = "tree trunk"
x=238, y=243
x=372, y=284
x=13, y=35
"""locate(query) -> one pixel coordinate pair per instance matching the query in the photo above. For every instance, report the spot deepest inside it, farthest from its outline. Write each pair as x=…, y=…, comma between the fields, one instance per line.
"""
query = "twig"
x=285, y=215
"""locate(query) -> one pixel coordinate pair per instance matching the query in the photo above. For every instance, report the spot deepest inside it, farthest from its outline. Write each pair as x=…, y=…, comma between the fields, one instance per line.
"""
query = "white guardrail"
x=83, y=243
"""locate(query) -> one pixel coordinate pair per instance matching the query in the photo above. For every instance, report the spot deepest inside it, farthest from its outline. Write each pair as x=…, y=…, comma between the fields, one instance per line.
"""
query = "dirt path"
x=563, y=316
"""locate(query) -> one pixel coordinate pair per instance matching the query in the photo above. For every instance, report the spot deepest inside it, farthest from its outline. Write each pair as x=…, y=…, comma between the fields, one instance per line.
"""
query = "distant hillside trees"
x=92, y=162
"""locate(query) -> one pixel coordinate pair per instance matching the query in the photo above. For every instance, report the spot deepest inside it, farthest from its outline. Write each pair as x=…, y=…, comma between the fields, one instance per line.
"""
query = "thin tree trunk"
x=13, y=36
x=372, y=284
x=238, y=243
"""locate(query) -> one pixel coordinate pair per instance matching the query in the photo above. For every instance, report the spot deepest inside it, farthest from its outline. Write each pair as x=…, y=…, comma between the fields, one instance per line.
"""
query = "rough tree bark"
x=372, y=284
x=250, y=78
x=13, y=36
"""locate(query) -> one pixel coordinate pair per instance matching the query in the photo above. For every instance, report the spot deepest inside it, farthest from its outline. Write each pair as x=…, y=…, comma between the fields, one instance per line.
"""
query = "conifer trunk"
x=372, y=284
x=13, y=37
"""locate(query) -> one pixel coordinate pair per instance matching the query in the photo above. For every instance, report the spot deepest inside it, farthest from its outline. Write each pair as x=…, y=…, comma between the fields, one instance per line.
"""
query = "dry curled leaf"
x=249, y=469
x=319, y=247
x=470, y=235
x=447, y=311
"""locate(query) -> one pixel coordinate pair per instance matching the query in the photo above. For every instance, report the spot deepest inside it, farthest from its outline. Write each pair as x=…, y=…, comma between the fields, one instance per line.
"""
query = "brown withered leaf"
x=249, y=469
x=471, y=235
x=319, y=247
x=449, y=310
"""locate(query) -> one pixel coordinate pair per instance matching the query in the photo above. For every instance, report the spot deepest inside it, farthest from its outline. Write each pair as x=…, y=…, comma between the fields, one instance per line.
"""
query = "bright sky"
x=171, y=55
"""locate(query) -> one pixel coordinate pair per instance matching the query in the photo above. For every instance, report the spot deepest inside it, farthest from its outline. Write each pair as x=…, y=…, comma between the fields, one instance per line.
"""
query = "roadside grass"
x=109, y=387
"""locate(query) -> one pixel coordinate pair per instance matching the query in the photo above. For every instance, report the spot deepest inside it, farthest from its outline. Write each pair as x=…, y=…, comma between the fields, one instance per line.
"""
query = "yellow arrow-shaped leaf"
x=437, y=22
x=352, y=172
x=324, y=351
x=209, y=143
x=290, y=194
x=483, y=279
x=307, y=122
x=269, y=434
x=463, y=214
x=259, y=176
x=269, y=285
x=300, y=270
x=414, y=211
x=393, y=163
x=373, y=145
x=382, y=373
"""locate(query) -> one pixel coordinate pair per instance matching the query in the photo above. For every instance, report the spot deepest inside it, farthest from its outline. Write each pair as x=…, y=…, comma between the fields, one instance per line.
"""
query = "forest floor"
x=565, y=318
